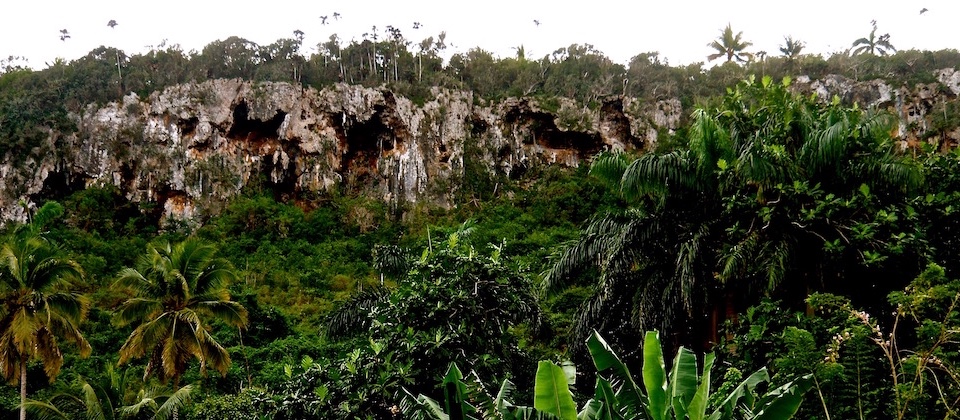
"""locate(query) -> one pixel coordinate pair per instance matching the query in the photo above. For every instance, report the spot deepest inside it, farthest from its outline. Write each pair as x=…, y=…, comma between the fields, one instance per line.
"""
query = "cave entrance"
x=366, y=141
x=285, y=188
x=254, y=131
x=58, y=186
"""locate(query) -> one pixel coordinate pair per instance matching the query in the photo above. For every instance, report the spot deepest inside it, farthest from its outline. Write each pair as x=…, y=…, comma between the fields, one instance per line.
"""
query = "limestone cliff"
x=926, y=111
x=194, y=145
x=191, y=147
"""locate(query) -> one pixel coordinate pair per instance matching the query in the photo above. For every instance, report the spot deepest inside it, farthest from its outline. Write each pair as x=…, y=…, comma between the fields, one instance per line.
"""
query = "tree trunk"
x=23, y=387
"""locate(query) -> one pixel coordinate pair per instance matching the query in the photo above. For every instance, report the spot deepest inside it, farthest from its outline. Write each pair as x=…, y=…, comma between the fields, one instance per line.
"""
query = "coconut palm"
x=178, y=289
x=730, y=45
x=792, y=48
x=873, y=44
x=37, y=310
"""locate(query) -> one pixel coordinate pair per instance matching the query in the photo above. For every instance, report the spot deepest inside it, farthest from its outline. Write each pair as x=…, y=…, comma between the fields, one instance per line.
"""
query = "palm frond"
x=821, y=153
x=93, y=401
x=229, y=312
x=67, y=305
x=777, y=263
x=609, y=167
x=739, y=257
x=174, y=402
x=42, y=410
x=659, y=174
x=607, y=242
x=214, y=355
x=144, y=403
x=352, y=316
x=136, y=309
x=689, y=262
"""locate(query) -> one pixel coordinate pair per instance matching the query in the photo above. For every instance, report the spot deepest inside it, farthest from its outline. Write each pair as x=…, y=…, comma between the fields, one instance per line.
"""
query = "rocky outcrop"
x=926, y=111
x=191, y=147
x=194, y=145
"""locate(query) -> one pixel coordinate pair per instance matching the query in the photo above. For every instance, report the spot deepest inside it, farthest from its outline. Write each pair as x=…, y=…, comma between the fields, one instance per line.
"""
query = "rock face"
x=192, y=146
x=924, y=111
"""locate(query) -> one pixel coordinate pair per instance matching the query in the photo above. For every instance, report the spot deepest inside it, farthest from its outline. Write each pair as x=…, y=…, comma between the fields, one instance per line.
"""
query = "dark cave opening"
x=58, y=186
x=611, y=112
x=244, y=128
x=444, y=155
x=366, y=141
x=188, y=127
x=285, y=189
x=128, y=172
x=545, y=132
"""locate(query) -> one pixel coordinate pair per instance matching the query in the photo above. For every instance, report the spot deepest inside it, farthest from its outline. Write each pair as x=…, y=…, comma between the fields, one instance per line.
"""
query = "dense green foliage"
x=774, y=194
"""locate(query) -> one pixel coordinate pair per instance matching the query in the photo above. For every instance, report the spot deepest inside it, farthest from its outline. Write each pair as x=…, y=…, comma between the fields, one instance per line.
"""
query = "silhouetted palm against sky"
x=873, y=44
x=730, y=45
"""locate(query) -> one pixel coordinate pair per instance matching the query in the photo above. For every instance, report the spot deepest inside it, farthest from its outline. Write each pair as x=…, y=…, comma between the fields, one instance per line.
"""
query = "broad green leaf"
x=454, y=393
x=431, y=407
x=593, y=410
x=683, y=381
x=604, y=393
x=697, y=410
x=506, y=391
x=783, y=402
x=743, y=391
x=551, y=394
x=655, y=376
x=608, y=363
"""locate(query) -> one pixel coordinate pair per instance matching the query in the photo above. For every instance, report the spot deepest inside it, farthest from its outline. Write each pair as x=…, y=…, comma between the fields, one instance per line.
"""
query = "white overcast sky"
x=679, y=30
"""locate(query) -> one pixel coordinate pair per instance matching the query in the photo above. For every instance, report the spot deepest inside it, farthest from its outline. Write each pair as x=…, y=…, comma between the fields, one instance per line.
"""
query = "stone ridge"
x=191, y=147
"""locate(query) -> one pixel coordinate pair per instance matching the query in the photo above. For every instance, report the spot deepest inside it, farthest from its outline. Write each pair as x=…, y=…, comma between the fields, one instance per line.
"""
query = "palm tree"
x=113, y=25
x=653, y=257
x=872, y=44
x=36, y=310
x=177, y=290
x=791, y=48
x=729, y=216
x=730, y=45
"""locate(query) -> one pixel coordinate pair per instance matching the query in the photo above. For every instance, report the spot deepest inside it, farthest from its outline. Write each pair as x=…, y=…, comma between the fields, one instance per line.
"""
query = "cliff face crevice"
x=191, y=147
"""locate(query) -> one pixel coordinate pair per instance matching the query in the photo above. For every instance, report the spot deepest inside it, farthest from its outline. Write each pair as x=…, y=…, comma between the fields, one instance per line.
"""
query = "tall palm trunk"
x=23, y=387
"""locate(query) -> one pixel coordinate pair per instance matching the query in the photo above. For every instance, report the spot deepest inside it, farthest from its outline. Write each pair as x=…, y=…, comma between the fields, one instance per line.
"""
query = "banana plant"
x=681, y=393
x=552, y=398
